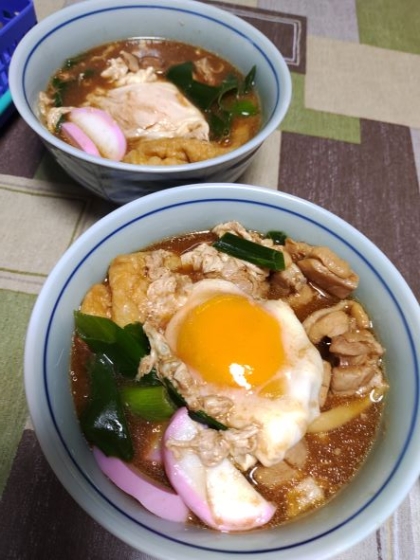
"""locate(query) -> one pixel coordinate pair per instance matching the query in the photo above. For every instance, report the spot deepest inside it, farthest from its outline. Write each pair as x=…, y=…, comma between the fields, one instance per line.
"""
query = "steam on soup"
x=231, y=372
x=151, y=101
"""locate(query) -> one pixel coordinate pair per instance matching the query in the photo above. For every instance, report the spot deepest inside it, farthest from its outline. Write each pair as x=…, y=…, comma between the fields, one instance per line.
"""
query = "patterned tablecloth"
x=350, y=143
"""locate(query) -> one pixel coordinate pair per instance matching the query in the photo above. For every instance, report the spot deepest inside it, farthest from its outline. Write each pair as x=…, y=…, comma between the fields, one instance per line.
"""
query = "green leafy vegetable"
x=279, y=237
x=124, y=347
x=151, y=403
x=249, y=251
x=219, y=103
x=103, y=421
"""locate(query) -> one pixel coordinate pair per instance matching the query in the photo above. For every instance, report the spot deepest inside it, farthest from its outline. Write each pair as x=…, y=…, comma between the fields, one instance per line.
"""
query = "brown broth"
x=333, y=458
x=81, y=75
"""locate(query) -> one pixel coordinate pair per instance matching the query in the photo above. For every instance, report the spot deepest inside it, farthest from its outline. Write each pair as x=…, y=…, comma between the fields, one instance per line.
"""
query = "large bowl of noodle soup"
x=75, y=29
x=392, y=464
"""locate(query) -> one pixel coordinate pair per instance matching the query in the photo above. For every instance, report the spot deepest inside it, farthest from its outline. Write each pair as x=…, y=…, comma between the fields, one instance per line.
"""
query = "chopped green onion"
x=150, y=379
x=249, y=251
x=123, y=346
x=197, y=415
x=244, y=108
x=103, y=421
x=151, y=403
x=202, y=95
x=204, y=418
x=249, y=81
x=70, y=62
x=279, y=237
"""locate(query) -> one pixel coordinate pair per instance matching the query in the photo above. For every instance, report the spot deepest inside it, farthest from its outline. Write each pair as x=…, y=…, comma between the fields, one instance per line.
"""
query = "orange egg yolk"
x=231, y=341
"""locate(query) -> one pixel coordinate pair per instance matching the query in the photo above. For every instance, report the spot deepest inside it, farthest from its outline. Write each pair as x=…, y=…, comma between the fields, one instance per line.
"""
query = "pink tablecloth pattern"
x=350, y=142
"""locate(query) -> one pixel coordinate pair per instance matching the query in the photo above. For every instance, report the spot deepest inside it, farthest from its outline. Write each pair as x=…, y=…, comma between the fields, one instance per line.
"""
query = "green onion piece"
x=150, y=379
x=202, y=95
x=249, y=81
x=151, y=403
x=174, y=395
x=203, y=418
x=220, y=123
x=249, y=251
x=59, y=86
x=244, y=108
x=70, y=62
x=279, y=237
x=197, y=415
x=124, y=347
x=103, y=421
x=210, y=99
x=60, y=121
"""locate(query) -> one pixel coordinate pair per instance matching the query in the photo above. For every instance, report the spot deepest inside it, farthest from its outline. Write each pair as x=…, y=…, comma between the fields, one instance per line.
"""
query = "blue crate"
x=16, y=18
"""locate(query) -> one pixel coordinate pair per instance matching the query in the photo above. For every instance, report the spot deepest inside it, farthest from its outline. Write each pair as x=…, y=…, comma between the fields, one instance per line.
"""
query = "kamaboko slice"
x=75, y=135
x=102, y=130
x=219, y=495
x=156, y=498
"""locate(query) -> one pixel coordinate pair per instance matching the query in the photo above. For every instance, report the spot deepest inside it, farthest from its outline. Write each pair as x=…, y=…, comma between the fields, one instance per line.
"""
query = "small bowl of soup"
x=226, y=371
x=139, y=97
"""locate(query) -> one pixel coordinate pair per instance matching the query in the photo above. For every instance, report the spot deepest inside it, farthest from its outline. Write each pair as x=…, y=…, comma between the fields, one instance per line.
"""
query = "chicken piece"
x=238, y=229
x=331, y=324
x=98, y=301
x=349, y=380
x=359, y=367
x=327, y=322
x=324, y=268
x=353, y=347
x=356, y=343
x=297, y=249
x=290, y=280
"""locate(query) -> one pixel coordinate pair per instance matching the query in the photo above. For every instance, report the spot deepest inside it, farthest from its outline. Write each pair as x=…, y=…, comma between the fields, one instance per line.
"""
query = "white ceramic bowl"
x=87, y=24
x=392, y=466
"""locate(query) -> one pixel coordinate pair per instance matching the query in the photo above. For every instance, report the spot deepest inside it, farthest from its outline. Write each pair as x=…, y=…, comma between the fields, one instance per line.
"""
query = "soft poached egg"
x=254, y=352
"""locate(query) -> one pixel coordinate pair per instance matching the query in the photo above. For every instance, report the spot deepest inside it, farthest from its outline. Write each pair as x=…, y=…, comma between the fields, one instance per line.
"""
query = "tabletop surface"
x=350, y=143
